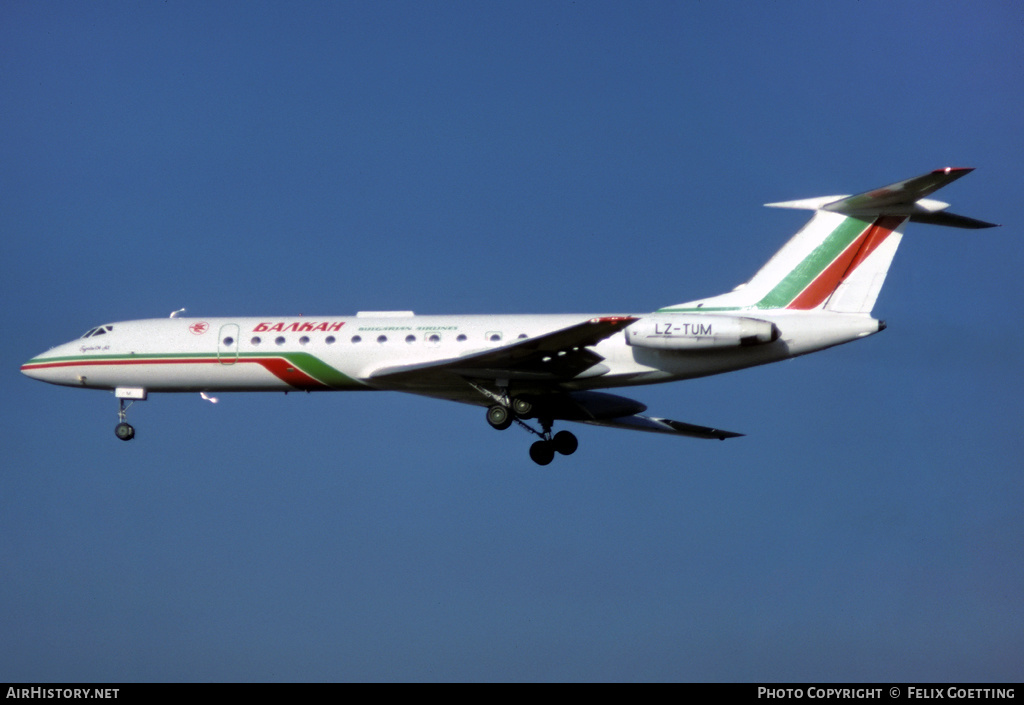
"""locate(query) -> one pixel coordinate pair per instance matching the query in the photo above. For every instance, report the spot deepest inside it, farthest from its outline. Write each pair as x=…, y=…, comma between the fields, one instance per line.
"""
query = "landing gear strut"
x=124, y=430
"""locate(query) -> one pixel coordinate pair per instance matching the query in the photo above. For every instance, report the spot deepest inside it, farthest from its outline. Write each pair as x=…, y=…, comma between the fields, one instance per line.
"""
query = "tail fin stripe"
x=882, y=229
x=812, y=267
x=821, y=288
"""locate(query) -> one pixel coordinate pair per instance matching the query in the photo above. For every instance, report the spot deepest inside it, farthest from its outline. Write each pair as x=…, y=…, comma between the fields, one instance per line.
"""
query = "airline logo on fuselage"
x=297, y=326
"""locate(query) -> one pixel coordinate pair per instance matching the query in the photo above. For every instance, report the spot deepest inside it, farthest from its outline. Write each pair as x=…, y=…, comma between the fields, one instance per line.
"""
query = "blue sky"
x=272, y=159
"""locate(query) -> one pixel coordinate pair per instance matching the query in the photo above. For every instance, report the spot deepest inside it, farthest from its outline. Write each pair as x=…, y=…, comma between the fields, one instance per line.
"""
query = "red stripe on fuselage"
x=286, y=372
x=277, y=366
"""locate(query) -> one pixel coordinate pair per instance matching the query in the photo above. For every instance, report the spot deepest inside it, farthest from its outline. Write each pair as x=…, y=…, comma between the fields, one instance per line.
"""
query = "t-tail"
x=838, y=261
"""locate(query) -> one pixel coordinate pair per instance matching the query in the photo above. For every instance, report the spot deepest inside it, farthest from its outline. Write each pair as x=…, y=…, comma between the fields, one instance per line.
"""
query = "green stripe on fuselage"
x=320, y=370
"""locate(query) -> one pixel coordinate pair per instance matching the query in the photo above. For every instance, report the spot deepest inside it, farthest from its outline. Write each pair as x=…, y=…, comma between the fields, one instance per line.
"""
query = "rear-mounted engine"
x=699, y=331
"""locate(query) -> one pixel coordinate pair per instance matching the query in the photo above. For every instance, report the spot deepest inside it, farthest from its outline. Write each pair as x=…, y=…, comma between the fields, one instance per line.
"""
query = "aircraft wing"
x=638, y=422
x=553, y=357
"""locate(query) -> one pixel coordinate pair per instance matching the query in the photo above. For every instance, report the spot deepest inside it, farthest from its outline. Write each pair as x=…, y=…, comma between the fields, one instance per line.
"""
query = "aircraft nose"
x=36, y=368
x=51, y=366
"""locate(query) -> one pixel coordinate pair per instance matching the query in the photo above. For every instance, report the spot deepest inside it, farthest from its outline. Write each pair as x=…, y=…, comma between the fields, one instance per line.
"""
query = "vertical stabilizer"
x=838, y=261
x=824, y=256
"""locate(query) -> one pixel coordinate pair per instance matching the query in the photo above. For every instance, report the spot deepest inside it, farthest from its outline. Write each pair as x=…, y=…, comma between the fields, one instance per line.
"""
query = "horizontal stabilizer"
x=951, y=220
x=906, y=198
x=900, y=196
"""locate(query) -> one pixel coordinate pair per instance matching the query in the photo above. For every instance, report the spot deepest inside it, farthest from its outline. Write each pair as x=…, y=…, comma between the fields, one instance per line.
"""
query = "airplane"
x=816, y=292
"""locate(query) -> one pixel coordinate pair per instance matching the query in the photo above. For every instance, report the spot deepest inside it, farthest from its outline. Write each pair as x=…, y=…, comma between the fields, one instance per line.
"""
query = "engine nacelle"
x=680, y=331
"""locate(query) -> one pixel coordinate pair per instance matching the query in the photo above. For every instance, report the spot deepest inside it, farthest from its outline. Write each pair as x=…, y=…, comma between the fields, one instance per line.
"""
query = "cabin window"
x=434, y=338
x=410, y=339
x=279, y=340
x=256, y=340
x=330, y=340
x=382, y=339
x=304, y=340
x=461, y=338
x=229, y=341
x=494, y=337
x=357, y=338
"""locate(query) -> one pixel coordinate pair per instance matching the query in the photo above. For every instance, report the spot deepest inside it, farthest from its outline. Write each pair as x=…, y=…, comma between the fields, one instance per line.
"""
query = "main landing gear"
x=543, y=451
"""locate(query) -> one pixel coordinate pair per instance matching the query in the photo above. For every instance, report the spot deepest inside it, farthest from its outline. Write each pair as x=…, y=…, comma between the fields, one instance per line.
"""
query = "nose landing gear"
x=124, y=430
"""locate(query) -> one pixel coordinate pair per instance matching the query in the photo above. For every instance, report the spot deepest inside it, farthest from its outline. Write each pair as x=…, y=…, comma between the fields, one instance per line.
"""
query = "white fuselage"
x=327, y=353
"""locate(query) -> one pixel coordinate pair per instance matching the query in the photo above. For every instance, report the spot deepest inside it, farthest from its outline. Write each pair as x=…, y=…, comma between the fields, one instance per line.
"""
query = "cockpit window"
x=100, y=330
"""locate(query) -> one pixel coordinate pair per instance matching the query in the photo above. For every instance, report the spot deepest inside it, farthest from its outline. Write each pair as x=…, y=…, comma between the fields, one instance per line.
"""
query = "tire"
x=124, y=431
x=499, y=417
x=565, y=443
x=522, y=408
x=542, y=452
